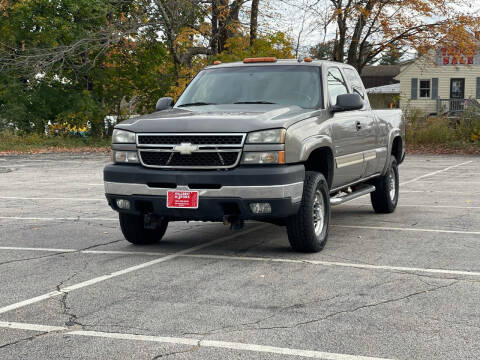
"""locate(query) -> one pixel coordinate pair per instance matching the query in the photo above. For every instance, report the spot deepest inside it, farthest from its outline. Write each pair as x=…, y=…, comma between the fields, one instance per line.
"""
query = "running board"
x=356, y=194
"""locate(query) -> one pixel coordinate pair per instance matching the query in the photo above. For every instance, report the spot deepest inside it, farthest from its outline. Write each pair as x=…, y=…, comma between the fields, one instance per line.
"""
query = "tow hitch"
x=234, y=221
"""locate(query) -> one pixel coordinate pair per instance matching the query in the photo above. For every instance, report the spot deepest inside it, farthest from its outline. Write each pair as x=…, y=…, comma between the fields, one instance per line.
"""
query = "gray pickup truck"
x=278, y=141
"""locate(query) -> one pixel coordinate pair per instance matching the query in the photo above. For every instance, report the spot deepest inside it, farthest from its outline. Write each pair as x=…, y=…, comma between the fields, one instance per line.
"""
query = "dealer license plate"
x=182, y=199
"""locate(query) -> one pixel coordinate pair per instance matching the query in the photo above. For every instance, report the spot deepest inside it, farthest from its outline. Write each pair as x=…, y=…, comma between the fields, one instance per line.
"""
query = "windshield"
x=284, y=85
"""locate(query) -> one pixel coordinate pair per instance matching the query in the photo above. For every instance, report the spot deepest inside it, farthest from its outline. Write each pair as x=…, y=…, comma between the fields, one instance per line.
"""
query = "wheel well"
x=321, y=160
x=397, y=148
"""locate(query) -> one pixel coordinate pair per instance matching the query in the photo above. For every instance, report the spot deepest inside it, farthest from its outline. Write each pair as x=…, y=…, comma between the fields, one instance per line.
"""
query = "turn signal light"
x=260, y=60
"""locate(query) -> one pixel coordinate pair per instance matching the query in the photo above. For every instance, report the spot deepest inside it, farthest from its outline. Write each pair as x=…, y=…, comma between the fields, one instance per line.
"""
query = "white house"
x=441, y=81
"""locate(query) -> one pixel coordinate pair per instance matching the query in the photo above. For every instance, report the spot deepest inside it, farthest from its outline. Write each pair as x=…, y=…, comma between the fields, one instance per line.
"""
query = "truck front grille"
x=194, y=160
x=190, y=151
x=177, y=139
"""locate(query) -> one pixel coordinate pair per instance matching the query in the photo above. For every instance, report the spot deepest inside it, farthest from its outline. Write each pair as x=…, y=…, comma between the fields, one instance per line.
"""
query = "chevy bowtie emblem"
x=185, y=148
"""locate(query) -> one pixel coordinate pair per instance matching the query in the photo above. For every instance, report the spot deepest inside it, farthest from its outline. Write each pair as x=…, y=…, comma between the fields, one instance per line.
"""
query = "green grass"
x=31, y=143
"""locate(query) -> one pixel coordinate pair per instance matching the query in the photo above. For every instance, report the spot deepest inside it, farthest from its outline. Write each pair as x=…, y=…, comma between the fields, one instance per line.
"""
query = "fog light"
x=261, y=208
x=123, y=204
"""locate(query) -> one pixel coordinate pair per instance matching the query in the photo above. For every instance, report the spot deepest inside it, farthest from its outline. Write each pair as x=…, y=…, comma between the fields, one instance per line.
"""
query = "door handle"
x=358, y=125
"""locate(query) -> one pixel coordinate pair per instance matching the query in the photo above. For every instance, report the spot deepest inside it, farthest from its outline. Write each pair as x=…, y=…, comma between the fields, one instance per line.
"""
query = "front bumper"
x=226, y=192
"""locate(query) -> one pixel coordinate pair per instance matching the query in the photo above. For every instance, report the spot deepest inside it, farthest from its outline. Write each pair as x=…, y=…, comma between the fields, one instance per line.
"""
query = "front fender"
x=313, y=143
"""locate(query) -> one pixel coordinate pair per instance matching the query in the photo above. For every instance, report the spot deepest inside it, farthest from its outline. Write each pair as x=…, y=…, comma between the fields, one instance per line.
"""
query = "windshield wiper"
x=196, y=104
x=254, y=102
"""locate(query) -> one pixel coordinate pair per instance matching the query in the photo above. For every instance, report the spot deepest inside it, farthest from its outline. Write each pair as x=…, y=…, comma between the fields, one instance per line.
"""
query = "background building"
x=444, y=80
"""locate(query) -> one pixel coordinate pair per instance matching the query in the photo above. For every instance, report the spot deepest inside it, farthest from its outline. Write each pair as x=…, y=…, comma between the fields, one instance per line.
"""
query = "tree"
x=365, y=29
x=254, y=21
x=76, y=60
x=392, y=56
x=323, y=50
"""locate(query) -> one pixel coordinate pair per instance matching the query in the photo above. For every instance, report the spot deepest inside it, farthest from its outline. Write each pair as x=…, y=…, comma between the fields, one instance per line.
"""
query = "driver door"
x=347, y=140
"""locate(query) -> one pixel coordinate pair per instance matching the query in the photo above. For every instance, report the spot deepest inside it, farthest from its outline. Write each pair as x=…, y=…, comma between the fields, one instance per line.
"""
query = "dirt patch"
x=47, y=150
x=442, y=150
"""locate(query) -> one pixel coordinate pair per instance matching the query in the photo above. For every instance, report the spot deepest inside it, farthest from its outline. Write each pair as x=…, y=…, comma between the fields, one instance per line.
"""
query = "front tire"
x=308, y=229
x=385, y=197
x=133, y=228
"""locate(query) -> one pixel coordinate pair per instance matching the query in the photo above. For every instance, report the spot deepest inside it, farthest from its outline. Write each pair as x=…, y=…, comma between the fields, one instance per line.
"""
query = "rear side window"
x=355, y=81
x=336, y=85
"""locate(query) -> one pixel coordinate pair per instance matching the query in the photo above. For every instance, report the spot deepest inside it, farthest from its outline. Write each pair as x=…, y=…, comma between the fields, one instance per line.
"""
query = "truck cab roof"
x=278, y=62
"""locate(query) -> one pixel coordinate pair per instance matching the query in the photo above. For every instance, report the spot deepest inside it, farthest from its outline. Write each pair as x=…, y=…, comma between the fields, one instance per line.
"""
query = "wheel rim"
x=392, y=184
x=318, y=213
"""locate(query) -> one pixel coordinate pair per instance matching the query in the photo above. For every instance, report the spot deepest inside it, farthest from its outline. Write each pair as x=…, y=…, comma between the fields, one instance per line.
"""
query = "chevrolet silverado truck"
x=278, y=141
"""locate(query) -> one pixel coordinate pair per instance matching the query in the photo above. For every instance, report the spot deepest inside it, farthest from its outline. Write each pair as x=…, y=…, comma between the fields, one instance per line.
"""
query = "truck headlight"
x=123, y=137
x=130, y=157
x=267, y=157
x=275, y=136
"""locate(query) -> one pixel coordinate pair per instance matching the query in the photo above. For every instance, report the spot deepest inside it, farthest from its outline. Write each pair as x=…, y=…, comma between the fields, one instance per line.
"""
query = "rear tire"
x=308, y=229
x=385, y=197
x=133, y=229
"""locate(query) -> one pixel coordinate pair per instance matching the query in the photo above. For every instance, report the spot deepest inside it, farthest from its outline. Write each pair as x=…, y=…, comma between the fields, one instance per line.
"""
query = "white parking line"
x=435, y=173
x=57, y=219
x=36, y=249
x=51, y=198
x=340, y=264
x=122, y=272
x=30, y=327
x=430, y=206
x=264, y=259
x=408, y=229
x=450, y=192
x=226, y=345
x=99, y=252
x=191, y=342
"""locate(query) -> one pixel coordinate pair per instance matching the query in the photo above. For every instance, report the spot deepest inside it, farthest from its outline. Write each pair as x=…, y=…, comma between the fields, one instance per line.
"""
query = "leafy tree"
x=323, y=50
x=392, y=56
x=365, y=29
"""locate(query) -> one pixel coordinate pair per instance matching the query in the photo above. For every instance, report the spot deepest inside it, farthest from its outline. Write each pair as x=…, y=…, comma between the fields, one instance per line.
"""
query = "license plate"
x=182, y=199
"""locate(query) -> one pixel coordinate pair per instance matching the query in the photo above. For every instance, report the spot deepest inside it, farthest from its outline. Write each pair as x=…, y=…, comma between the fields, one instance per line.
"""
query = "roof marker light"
x=308, y=59
x=217, y=62
x=260, y=60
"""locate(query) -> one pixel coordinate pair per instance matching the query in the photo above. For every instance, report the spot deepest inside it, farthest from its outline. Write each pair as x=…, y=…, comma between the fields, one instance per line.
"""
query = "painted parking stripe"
x=36, y=249
x=98, y=252
x=124, y=271
x=52, y=198
x=450, y=192
x=57, y=219
x=30, y=327
x=265, y=259
x=408, y=229
x=313, y=354
x=340, y=264
x=430, y=206
x=435, y=172
x=226, y=345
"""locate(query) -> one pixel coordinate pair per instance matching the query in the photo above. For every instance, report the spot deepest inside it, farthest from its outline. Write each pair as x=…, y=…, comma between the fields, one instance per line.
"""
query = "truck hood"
x=219, y=118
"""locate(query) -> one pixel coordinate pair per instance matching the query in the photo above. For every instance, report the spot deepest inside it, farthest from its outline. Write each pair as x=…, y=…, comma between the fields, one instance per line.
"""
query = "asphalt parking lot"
x=399, y=286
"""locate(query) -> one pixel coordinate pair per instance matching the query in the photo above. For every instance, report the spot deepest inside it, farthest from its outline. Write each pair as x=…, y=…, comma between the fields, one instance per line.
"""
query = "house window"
x=425, y=89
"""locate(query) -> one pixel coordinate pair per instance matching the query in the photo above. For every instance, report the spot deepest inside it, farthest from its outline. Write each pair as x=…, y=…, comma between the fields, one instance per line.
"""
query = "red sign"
x=452, y=56
x=182, y=199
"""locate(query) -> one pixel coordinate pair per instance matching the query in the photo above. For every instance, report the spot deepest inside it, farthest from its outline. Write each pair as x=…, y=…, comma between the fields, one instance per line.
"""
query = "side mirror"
x=164, y=103
x=348, y=102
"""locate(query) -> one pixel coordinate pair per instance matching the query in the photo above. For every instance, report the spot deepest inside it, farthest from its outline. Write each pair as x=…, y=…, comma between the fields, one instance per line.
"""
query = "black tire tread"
x=134, y=231
x=380, y=198
x=300, y=235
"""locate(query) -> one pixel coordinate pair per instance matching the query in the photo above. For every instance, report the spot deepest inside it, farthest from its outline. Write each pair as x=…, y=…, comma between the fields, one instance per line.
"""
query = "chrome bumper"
x=293, y=191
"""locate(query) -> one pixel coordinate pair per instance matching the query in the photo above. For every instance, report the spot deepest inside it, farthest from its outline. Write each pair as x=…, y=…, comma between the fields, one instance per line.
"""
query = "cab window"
x=336, y=85
x=355, y=81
